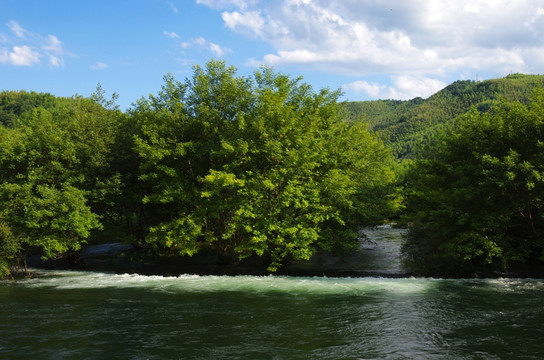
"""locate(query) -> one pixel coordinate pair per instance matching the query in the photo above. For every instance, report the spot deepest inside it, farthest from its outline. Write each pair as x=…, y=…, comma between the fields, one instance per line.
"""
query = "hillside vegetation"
x=405, y=126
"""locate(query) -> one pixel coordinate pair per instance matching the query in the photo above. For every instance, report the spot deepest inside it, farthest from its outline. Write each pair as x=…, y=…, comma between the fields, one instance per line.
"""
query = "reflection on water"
x=381, y=248
x=378, y=255
x=77, y=315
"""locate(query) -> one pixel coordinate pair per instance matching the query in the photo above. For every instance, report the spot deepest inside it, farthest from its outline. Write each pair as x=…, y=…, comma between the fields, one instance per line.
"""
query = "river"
x=85, y=315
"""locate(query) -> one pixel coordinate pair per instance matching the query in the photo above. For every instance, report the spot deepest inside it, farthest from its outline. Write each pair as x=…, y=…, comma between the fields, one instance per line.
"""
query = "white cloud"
x=19, y=56
x=16, y=28
x=416, y=38
x=227, y=4
x=53, y=48
x=30, y=47
x=409, y=87
x=218, y=50
x=53, y=44
x=374, y=90
x=250, y=23
x=55, y=61
x=99, y=66
x=202, y=43
x=404, y=87
x=171, y=35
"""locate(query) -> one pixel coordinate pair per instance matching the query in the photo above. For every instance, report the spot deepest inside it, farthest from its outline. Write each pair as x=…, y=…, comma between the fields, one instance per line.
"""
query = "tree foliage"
x=237, y=165
x=476, y=195
x=13, y=104
x=264, y=165
x=55, y=177
x=256, y=165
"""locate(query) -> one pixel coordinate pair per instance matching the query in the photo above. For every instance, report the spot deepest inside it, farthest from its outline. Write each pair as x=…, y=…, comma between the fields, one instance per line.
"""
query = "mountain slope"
x=406, y=125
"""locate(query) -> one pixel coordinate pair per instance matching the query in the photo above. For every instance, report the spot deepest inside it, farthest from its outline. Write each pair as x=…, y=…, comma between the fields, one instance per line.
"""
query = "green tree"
x=55, y=178
x=15, y=103
x=255, y=165
x=476, y=195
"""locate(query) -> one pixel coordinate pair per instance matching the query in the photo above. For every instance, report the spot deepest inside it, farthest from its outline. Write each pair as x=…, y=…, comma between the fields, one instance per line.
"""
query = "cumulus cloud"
x=415, y=38
x=403, y=87
x=31, y=47
x=19, y=56
x=249, y=23
x=374, y=89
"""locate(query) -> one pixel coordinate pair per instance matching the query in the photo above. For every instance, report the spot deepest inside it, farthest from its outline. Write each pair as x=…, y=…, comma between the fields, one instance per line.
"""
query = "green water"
x=77, y=315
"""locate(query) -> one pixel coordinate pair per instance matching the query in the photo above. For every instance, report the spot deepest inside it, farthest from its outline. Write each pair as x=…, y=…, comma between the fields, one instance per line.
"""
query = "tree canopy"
x=258, y=165
x=476, y=195
x=235, y=165
x=55, y=175
x=264, y=166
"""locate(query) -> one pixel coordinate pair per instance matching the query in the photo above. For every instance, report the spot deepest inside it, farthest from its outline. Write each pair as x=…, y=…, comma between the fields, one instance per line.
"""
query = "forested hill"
x=406, y=125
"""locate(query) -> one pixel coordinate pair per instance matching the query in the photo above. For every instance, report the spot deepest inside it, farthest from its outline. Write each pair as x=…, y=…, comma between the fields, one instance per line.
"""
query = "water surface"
x=79, y=315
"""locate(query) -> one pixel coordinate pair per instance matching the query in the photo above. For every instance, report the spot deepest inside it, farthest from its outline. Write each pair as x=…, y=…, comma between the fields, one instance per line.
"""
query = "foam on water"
x=196, y=283
x=268, y=284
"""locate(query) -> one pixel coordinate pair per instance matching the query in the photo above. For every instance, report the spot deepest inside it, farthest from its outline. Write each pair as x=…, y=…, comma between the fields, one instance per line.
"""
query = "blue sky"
x=370, y=49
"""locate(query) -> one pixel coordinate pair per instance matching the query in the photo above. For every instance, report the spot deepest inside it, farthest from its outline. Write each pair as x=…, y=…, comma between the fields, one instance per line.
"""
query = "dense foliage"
x=258, y=165
x=55, y=175
x=264, y=166
x=476, y=195
x=240, y=166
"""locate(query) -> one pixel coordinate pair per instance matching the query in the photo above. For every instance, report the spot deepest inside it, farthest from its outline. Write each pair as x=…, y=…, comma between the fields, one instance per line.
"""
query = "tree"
x=255, y=165
x=55, y=178
x=15, y=103
x=475, y=196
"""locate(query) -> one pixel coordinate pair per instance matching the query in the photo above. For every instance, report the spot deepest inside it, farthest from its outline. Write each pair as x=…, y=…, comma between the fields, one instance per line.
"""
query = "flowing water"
x=82, y=315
